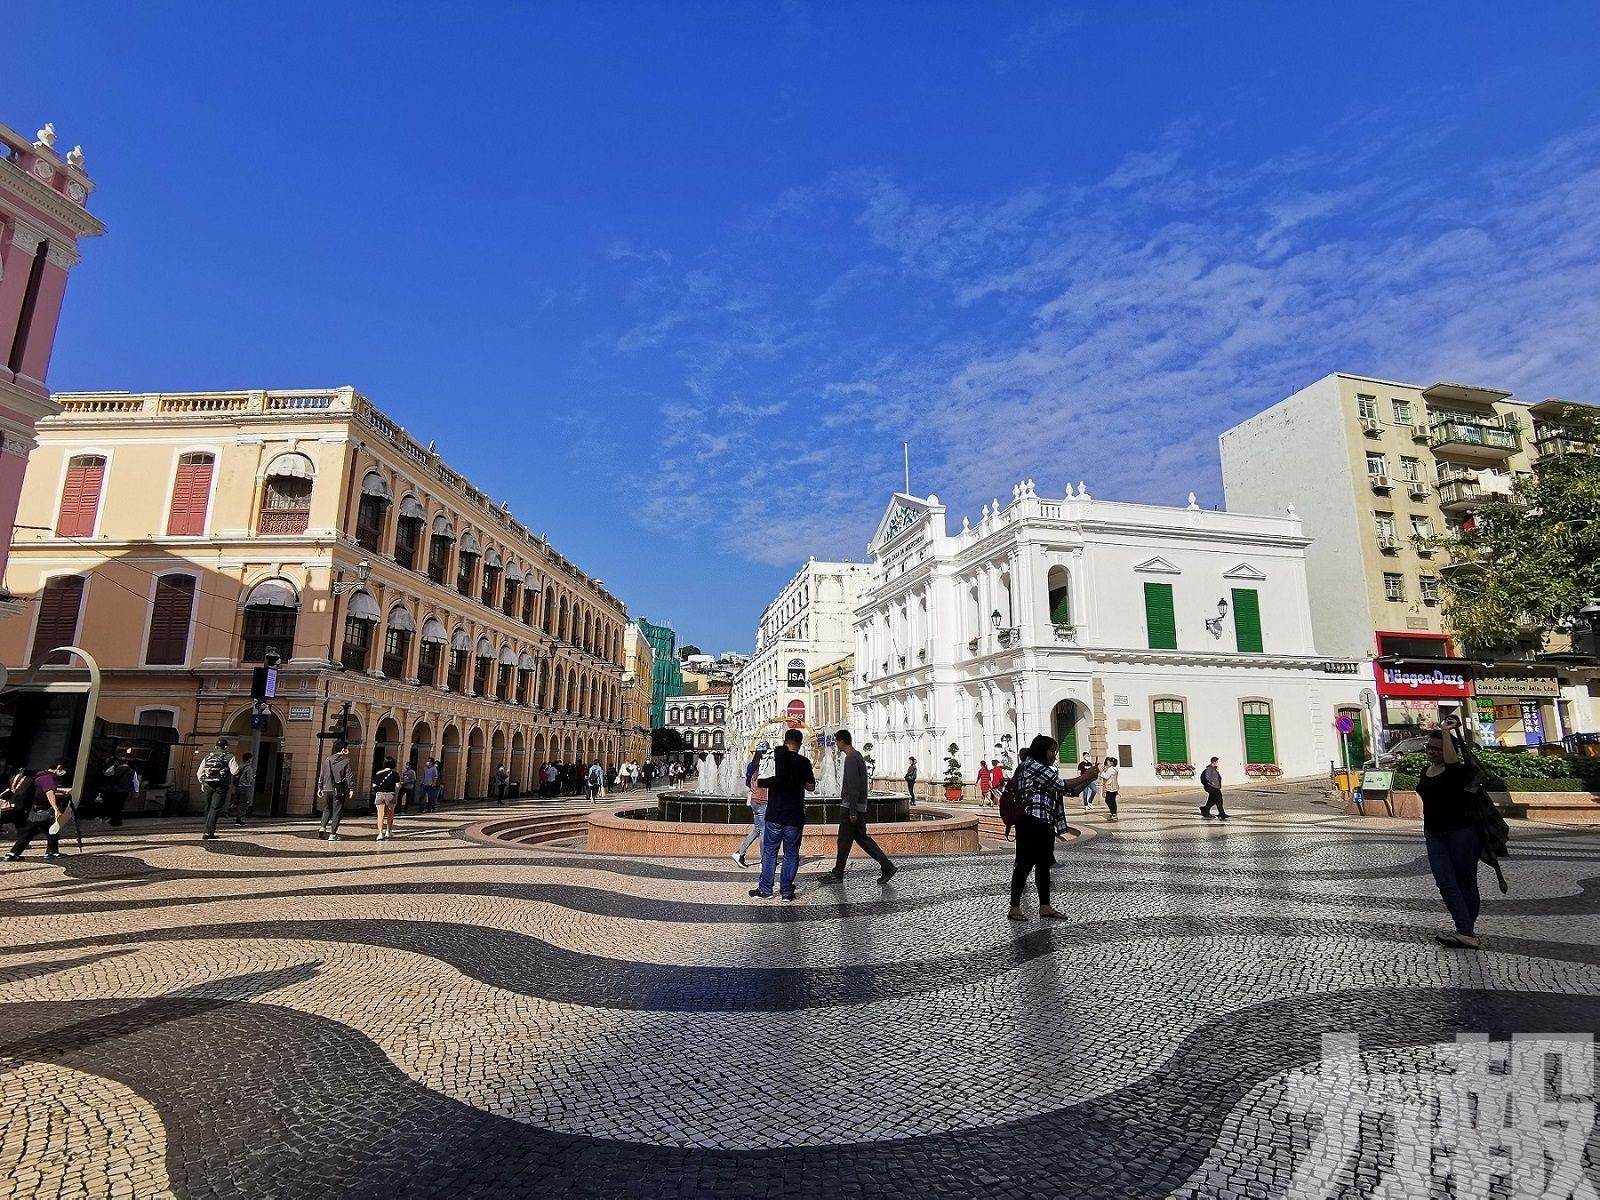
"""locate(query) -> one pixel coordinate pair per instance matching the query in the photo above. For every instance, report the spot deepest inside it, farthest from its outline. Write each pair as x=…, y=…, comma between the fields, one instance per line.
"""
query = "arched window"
x=705, y=740
x=508, y=602
x=484, y=667
x=397, y=642
x=171, y=617
x=80, y=495
x=467, y=563
x=716, y=739
x=1059, y=583
x=372, y=510
x=408, y=529
x=286, y=497
x=1260, y=747
x=431, y=651
x=271, y=611
x=60, y=606
x=191, y=495
x=672, y=716
x=460, y=652
x=718, y=715
x=440, y=541
x=525, y=669
x=361, y=617
x=705, y=714
x=492, y=567
x=1172, y=731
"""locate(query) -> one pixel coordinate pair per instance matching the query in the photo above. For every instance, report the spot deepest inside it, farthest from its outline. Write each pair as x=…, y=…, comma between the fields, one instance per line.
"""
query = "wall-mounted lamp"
x=363, y=573
x=1214, y=625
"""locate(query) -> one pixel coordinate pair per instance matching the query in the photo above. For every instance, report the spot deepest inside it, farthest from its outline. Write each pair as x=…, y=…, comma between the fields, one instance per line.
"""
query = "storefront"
x=1419, y=683
x=1519, y=710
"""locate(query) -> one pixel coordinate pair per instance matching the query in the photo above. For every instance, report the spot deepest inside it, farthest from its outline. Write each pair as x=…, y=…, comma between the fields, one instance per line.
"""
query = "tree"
x=687, y=651
x=665, y=741
x=1527, y=563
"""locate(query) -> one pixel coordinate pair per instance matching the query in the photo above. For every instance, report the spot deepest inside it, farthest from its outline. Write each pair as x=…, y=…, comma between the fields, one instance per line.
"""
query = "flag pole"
x=907, y=447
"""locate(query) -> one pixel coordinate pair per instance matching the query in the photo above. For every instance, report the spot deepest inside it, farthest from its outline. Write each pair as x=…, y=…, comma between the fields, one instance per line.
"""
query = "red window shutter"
x=169, y=621
x=80, y=499
x=58, y=617
x=190, y=492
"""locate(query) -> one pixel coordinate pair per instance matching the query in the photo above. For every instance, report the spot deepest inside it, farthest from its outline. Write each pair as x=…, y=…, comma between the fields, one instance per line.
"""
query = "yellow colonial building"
x=638, y=669
x=181, y=538
x=830, y=693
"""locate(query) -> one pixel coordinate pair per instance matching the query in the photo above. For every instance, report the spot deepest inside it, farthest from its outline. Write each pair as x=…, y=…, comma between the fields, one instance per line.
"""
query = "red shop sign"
x=1422, y=682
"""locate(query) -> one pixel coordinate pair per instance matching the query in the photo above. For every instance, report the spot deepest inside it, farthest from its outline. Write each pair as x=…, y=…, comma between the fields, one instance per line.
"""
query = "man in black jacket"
x=787, y=786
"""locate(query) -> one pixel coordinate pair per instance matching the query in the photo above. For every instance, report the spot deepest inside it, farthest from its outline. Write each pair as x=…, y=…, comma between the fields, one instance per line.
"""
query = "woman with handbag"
x=1451, y=832
x=758, y=807
x=1040, y=795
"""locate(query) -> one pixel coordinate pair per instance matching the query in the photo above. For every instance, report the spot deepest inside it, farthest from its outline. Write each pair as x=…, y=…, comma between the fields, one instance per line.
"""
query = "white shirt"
x=1108, y=779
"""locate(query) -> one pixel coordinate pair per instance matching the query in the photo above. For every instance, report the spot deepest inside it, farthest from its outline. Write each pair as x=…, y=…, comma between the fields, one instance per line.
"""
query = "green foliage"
x=1523, y=772
x=687, y=651
x=952, y=768
x=1404, y=783
x=1531, y=559
x=1547, y=785
x=665, y=741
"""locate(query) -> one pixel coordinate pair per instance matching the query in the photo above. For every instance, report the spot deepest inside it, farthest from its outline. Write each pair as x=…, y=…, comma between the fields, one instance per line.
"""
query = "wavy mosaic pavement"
x=271, y=1015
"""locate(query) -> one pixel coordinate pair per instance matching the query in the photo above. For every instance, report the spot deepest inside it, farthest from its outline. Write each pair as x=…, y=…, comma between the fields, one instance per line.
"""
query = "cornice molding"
x=78, y=222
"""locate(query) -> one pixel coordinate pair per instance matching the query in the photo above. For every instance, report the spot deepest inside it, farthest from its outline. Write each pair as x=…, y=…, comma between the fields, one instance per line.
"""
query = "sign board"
x=1345, y=724
x=796, y=713
x=1341, y=668
x=264, y=683
x=1534, y=685
x=1119, y=702
x=1377, y=781
x=1436, y=683
x=300, y=712
x=258, y=720
x=1532, y=723
x=797, y=673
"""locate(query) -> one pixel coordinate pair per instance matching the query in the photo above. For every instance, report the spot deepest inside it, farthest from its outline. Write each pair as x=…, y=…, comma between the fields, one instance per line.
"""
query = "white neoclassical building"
x=807, y=625
x=1154, y=635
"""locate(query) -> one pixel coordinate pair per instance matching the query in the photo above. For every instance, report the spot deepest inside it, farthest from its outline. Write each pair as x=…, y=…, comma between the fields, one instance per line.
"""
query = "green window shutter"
x=1247, y=619
x=1172, y=737
x=1158, y=616
x=1060, y=607
x=1066, y=735
x=1258, y=745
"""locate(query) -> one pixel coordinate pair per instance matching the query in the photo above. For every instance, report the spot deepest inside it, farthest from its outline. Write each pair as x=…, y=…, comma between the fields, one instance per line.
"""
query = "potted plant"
x=1175, y=770
x=955, y=784
x=972, y=645
x=1263, y=770
x=1066, y=631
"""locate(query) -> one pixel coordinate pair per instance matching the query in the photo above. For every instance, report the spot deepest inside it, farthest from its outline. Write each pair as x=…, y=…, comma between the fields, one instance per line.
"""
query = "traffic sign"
x=258, y=720
x=1345, y=723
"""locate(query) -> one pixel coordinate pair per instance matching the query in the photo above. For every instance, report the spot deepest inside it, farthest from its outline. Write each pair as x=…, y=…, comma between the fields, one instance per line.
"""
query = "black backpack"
x=214, y=770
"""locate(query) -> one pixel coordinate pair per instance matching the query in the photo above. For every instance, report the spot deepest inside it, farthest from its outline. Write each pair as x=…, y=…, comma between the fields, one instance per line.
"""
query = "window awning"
x=532, y=583
x=460, y=641
x=433, y=631
x=469, y=544
x=272, y=593
x=526, y=662
x=374, y=484
x=411, y=509
x=507, y=658
x=491, y=560
x=513, y=572
x=292, y=466
x=485, y=650
x=442, y=527
x=401, y=621
x=362, y=607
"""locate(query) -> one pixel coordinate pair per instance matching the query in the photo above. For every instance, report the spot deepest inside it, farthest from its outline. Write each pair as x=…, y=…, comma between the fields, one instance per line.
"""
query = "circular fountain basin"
x=685, y=824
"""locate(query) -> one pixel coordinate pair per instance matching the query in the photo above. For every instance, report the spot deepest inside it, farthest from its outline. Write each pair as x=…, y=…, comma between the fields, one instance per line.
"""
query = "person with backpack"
x=120, y=782
x=43, y=802
x=1034, y=801
x=335, y=786
x=1452, y=832
x=596, y=781
x=384, y=785
x=216, y=774
x=244, y=788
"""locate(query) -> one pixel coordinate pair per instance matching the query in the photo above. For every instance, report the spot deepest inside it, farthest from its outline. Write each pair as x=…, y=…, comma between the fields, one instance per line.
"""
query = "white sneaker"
x=738, y=858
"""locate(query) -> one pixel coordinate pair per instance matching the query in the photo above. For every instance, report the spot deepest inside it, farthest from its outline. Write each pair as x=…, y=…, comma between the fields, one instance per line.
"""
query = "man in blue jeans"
x=787, y=786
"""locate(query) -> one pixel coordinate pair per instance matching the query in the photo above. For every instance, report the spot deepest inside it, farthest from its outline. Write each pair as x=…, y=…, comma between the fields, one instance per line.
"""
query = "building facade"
x=1157, y=636
x=830, y=693
x=701, y=717
x=667, y=678
x=808, y=624
x=181, y=538
x=42, y=218
x=1376, y=470
x=638, y=672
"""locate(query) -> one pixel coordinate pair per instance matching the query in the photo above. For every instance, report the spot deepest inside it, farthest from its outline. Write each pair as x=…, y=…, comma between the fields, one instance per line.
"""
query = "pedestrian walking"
x=42, y=801
x=997, y=780
x=430, y=785
x=758, y=808
x=1211, y=780
x=787, y=786
x=501, y=780
x=1110, y=777
x=1451, y=832
x=596, y=781
x=983, y=782
x=1036, y=802
x=244, y=788
x=215, y=773
x=385, y=785
x=408, y=787
x=1086, y=766
x=853, y=815
x=911, y=780
x=120, y=782
x=335, y=785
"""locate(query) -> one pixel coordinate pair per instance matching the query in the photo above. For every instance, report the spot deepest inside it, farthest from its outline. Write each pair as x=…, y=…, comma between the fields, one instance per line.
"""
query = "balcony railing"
x=1459, y=493
x=1487, y=440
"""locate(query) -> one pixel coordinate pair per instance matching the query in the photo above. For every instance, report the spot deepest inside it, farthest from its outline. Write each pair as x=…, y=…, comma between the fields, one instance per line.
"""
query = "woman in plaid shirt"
x=1043, y=819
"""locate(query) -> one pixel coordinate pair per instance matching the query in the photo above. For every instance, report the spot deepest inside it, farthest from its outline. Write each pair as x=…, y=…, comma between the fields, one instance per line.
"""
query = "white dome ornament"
x=46, y=137
x=1194, y=505
x=75, y=158
x=1083, y=490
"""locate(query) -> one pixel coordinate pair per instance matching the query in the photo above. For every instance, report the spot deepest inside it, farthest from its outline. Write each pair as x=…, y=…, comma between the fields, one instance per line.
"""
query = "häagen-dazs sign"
x=1403, y=681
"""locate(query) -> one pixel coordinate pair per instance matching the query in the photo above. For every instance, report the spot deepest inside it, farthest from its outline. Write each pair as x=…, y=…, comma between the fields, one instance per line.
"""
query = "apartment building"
x=1375, y=469
x=182, y=539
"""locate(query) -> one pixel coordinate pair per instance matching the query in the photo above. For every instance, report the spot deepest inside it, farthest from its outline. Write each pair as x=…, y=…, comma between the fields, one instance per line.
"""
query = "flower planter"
x=953, y=795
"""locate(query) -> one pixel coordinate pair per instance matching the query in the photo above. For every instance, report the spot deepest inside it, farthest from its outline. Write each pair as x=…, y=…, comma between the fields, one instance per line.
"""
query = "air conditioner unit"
x=1418, y=489
x=1388, y=545
x=1419, y=433
x=1372, y=426
x=1421, y=546
x=1380, y=483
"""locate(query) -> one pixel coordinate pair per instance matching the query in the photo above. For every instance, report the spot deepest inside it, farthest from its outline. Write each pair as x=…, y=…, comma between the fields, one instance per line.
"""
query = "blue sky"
x=676, y=280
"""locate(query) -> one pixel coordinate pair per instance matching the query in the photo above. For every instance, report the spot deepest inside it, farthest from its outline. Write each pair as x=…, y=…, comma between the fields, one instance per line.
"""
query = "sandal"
x=1015, y=914
x=1050, y=911
x=1456, y=941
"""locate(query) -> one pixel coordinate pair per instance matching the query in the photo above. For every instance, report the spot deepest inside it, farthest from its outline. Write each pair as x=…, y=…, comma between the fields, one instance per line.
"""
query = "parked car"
x=1385, y=760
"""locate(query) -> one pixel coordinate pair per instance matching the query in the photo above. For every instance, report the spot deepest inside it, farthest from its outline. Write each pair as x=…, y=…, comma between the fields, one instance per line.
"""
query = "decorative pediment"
x=1244, y=571
x=903, y=512
x=1157, y=566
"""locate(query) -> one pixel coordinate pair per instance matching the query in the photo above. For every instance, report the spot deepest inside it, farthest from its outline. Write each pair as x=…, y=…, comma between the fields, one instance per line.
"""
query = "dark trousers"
x=853, y=829
x=29, y=829
x=1036, y=854
x=216, y=800
x=243, y=798
x=1111, y=803
x=1214, y=796
x=1453, y=859
x=114, y=802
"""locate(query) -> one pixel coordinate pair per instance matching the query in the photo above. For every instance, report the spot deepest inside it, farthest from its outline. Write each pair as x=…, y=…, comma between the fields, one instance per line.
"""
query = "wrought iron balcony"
x=1466, y=439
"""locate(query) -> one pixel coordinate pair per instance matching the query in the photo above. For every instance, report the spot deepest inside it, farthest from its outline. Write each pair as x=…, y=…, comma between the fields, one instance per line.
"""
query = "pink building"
x=42, y=216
